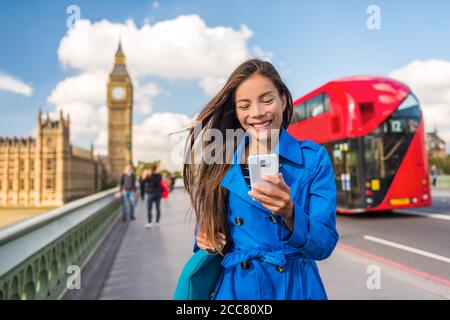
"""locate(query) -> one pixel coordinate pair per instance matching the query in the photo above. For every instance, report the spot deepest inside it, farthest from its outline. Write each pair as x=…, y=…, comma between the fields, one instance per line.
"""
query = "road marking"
x=424, y=214
x=406, y=248
x=393, y=264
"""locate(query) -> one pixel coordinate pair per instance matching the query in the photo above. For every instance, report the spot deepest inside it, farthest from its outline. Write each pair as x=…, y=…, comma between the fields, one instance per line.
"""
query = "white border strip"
x=425, y=214
x=406, y=248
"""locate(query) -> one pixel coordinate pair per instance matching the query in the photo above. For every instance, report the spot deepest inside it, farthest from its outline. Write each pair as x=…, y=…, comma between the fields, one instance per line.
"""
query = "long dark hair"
x=202, y=181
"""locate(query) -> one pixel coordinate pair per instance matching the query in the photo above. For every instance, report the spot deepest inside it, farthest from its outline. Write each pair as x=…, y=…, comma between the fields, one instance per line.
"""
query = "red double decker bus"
x=373, y=130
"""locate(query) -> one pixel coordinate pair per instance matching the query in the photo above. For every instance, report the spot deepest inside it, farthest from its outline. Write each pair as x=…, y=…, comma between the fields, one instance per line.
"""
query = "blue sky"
x=311, y=42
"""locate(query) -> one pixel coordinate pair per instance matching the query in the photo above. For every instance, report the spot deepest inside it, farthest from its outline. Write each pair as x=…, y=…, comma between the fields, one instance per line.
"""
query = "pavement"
x=147, y=262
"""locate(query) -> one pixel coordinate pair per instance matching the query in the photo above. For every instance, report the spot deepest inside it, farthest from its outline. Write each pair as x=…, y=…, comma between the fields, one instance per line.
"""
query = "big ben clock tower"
x=120, y=117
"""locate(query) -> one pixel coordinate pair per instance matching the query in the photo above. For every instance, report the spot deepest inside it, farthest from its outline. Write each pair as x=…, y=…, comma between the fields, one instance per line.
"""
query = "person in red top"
x=166, y=183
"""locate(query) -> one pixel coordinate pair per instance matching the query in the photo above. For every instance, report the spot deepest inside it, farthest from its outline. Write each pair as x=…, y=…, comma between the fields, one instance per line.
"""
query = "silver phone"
x=261, y=165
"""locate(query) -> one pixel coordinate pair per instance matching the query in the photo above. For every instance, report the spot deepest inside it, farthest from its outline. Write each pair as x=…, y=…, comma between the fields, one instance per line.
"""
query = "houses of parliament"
x=49, y=171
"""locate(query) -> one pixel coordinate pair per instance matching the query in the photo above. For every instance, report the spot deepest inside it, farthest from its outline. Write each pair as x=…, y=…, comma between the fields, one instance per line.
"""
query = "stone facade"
x=46, y=170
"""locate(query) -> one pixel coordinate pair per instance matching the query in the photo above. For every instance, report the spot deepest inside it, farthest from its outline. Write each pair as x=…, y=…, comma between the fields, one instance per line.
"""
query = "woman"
x=270, y=237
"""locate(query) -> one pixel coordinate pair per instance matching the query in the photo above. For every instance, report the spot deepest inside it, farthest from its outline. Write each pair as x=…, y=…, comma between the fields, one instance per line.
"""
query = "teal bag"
x=199, y=277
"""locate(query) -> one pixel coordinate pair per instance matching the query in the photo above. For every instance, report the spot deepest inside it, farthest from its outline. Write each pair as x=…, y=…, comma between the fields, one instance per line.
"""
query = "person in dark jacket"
x=153, y=189
x=144, y=175
x=434, y=175
x=172, y=183
x=128, y=192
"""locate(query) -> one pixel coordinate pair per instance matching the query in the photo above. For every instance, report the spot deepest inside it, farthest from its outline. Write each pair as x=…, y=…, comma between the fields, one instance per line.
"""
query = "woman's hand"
x=202, y=243
x=276, y=198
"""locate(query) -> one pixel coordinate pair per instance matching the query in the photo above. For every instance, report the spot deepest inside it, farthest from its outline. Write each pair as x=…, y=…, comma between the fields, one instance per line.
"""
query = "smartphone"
x=261, y=165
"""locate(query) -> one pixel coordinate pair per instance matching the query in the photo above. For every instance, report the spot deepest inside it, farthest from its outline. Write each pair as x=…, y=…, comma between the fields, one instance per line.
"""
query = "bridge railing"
x=37, y=255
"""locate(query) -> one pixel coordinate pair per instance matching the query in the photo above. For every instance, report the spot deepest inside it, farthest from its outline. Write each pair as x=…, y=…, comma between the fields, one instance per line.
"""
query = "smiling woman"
x=270, y=236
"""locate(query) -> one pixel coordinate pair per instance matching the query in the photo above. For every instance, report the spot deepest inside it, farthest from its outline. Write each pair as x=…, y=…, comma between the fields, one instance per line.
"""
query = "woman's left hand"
x=276, y=198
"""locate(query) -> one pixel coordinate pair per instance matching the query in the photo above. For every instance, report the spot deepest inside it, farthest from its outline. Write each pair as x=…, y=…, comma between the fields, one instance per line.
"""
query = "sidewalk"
x=149, y=261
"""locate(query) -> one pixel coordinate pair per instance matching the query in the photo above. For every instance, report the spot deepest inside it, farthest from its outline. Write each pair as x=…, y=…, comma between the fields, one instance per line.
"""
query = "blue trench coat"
x=266, y=259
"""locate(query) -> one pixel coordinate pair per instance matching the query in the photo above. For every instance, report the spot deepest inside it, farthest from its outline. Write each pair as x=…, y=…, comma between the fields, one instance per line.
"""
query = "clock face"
x=118, y=93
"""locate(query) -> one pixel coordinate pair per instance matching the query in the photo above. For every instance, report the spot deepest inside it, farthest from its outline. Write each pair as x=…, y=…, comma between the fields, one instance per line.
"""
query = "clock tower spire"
x=120, y=116
x=120, y=57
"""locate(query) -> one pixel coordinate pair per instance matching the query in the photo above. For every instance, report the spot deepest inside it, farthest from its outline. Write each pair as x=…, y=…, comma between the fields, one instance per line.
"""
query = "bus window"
x=298, y=114
x=314, y=106
x=407, y=116
x=311, y=108
x=326, y=102
x=317, y=105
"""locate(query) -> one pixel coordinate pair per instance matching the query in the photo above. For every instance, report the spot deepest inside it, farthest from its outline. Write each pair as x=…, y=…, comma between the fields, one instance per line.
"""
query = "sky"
x=179, y=53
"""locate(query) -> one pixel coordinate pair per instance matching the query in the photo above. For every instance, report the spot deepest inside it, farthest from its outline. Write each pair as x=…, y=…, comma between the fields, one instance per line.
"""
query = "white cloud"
x=430, y=81
x=155, y=4
x=151, y=139
x=9, y=83
x=212, y=85
x=83, y=97
x=183, y=48
x=86, y=88
x=101, y=142
x=259, y=53
x=85, y=119
x=144, y=94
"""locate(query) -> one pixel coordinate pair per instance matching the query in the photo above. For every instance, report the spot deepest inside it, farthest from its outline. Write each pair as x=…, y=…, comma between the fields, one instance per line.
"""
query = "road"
x=413, y=242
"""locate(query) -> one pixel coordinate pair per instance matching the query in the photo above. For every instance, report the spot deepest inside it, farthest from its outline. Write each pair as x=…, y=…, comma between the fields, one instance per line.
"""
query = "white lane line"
x=406, y=248
x=424, y=214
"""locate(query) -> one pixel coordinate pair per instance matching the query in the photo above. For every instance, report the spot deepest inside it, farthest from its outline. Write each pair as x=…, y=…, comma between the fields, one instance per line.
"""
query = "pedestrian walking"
x=154, y=191
x=128, y=193
x=434, y=175
x=172, y=183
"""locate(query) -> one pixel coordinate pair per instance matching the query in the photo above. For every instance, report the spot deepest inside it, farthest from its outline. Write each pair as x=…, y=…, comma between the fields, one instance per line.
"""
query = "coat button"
x=245, y=264
x=279, y=268
x=280, y=165
x=239, y=221
x=273, y=218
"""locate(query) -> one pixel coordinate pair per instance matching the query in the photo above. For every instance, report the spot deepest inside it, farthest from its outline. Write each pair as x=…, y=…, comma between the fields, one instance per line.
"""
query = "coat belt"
x=277, y=258
x=273, y=257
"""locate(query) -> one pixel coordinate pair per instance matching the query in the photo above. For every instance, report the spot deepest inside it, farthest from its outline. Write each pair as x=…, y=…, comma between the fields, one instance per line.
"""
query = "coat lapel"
x=234, y=180
x=287, y=148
